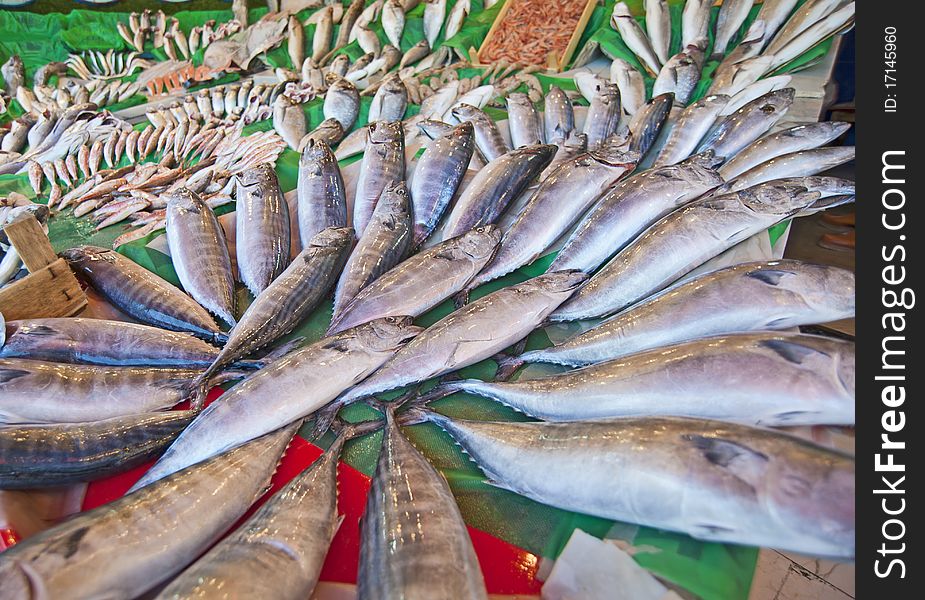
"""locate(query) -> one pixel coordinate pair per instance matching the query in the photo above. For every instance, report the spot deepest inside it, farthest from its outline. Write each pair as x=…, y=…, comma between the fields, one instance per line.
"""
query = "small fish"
x=390, y=101
x=558, y=116
x=524, y=121
x=321, y=197
x=793, y=139
x=695, y=21
x=689, y=127
x=488, y=139
x=434, y=15
x=393, y=21
x=342, y=102
x=647, y=123
x=289, y=121
x=414, y=54
x=732, y=14
x=679, y=76
x=603, y=115
x=631, y=85
x=324, y=30
x=296, y=41
x=658, y=28
x=457, y=16
x=622, y=21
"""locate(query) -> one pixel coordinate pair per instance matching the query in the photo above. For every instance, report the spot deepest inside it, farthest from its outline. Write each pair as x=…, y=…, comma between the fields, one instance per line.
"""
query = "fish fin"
x=461, y=299
x=794, y=352
x=779, y=322
x=709, y=531
x=739, y=460
x=507, y=366
x=769, y=276
x=324, y=419
x=7, y=375
x=499, y=484
x=282, y=350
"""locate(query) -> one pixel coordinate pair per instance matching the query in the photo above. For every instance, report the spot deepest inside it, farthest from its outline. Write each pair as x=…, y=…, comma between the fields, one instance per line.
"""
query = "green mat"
x=713, y=571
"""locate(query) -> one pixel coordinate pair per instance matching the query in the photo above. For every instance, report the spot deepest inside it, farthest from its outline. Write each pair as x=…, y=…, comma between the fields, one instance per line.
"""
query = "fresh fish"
x=413, y=540
x=16, y=138
x=679, y=76
x=765, y=378
x=279, y=551
x=603, y=115
x=787, y=141
x=558, y=116
x=488, y=139
x=342, y=102
x=390, y=101
x=283, y=392
x=648, y=121
x=123, y=543
x=324, y=31
x=42, y=128
x=383, y=165
x=569, y=149
x=140, y=293
x=103, y=342
x=437, y=104
x=524, y=121
x=261, y=227
x=755, y=90
x=838, y=21
x=689, y=128
x=330, y=131
x=422, y=281
x=366, y=18
x=434, y=15
x=658, y=28
x=34, y=391
x=14, y=75
x=747, y=124
x=583, y=181
x=634, y=37
x=689, y=237
x=321, y=197
x=732, y=14
x=773, y=14
x=289, y=299
x=796, y=164
x=438, y=175
x=200, y=254
x=456, y=18
x=495, y=186
x=808, y=14
x=40, y=456
x=289, y=121
x=754, y=486
x=368, y=40
x=476, y=331
x=393, y=21
x=351, y=16
x=734, y=78
x=631, y=85
x=630, y=208
x=695, y=21
x=477, y=97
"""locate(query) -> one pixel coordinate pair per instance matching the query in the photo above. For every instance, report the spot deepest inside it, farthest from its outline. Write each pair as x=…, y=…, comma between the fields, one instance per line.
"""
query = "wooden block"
x=30, y=241
x=49, y=292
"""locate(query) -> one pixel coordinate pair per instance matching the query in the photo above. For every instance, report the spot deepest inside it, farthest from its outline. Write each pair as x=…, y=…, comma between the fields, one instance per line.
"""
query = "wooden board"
x=49, y=292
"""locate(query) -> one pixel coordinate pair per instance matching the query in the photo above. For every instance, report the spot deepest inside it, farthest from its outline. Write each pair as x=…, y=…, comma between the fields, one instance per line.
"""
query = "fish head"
x=315, y=153
x=519, y=99
x=613, y=152
x=477, y=244
x=775, y=101
x=557, y=282
x=393, y=85
x=257, y=174
x=386, y=334
x=607, y=93
x=183, y=200
x=81, y=256
x=395, y=198
x=463, y=132
x=385, y=132
x=466, y=112
x=706, y=160
x=333, y=237
x=824, y=288
x=544, y=152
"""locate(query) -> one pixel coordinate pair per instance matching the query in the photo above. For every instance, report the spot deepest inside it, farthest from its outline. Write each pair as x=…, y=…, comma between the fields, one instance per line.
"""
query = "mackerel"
x=787, y=141
x=262, y=236
x=322, y=201
x=383, y=165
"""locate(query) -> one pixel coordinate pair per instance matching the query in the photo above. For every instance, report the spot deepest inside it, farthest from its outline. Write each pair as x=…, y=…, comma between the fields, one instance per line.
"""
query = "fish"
x=41, y=456
x=14, y=75
x=393, y=21
x=324, y=31
x=634, y=37
x=695, y=21
x=342, y=102
x=414, y=54
x=322, y=202
x=102, y=342
x=277, y=552
x=603, y=115
x=759, y=88
x=413, y=540
x=658, y=28
x=773, y=14
x=796, y=164
x=123, y=542
x=631, y=85
x=648, y=121
x=284, y=391
x=807, y=15
x=583, y=180
x=390, y=101
x=439, y=173
x=839, y=21
x=756, y=487
x=741, y=128
x=494, y=187
x=287, y=300
x=558, y=116
x=456, y=18
x=690, y=126
x=16, y=138
x=630, y=208
x=731, y=16
x=787, y=141
x=764, y=378
x=690, y=236
x=477, y=331
x=384, y=243
x=261, y=227
x=434, y=15
x=679, y=75
x=383, y=165
x=569, y=149
x=423, y=280
x=295, y=42
x=369, y=43
x=140, y=293
x=734, y=78
x=289, y=121
x=524, y=121
x=366, y=17
x=351, y=16
x=330, y=131
x=200, y=254
x=488, y=139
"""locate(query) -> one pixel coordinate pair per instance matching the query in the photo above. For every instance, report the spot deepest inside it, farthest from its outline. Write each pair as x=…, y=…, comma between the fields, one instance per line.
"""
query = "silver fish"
x=679, y=75
x=40, y=456
x=351, y=15
x=140, y=293
x=495, y=186
x=393, y=21
x=283, y=392
x=437, y=177
x=796, y=164
x=200, y=253
x=342, y=102
x=731, y=16
x=262, y=234
x=123, y=542
x=558, y=116
x=390, y=101
x=839, y=21
x=295, y=42
x=476, y=331
x=695, y=21
x=321, y=197
x=648, y=121
x=14, y=75
x=383, y=165
x=630, y=83
x=457, y=16
x=688, y=129
x=807, y=15
x=735, y=77
x=330, y=131
x=634, y=37
x=324, y=31
x=414, y=54
x=603, y=115
x=773, y=14
x=569, y=149
x=631, y=207
x=434, y=15
x=658, y=28
x=689, y=237
x=583, y=180
x=289, y=121
x=754, y=486
x=488, y=139
x=787, y=141
x=422, y=281
x=413, y=540
x=747, y=124
x=525, y=123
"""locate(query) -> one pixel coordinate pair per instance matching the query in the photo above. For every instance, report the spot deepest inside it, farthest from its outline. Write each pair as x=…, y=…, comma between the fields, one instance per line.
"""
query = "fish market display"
x=531, y=30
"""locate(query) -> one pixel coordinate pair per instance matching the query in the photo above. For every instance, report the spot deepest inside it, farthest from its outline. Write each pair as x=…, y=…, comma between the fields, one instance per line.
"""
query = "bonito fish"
x=383, y=165
x=261, y=227
x=321, y=195
x=793, y=139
